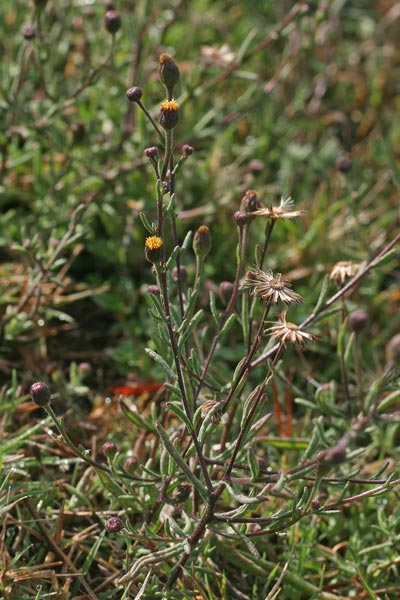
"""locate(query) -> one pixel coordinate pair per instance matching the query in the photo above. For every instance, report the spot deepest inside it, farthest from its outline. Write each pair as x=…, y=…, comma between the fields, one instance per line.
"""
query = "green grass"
x=273, y=98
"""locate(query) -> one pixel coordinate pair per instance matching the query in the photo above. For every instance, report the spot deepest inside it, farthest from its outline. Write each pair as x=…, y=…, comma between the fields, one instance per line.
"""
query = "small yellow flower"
x=169, y=114
x=153, y=248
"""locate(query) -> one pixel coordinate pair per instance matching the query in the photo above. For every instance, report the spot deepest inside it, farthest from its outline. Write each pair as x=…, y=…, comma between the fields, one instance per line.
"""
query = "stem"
x=161, y=275
x=243, y=236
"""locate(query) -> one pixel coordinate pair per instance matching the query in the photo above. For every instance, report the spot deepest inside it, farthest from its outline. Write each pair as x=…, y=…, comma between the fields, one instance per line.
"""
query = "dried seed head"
x=285, y=210
x=114, y=524
x=357, y=321
x=40, y=393
x=109, y=449
x=112, y=21
x=134, y=93
x=169, y=73
x=207, y=406
x=284, y=332
x=154, y=249
x=343, y=270
x=249, y=201
x=202, y=242
x=169, y=114
x=271, y=288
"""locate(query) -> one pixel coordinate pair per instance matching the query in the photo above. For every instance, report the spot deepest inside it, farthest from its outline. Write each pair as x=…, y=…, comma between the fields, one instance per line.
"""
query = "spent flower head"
x=271, y=288
x=169, y=114
x=283, y=331
x=343, y=270
x=285, y=210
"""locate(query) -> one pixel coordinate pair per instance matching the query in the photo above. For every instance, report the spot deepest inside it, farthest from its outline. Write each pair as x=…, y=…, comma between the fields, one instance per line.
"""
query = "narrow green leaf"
x=180, y=413
x=213, y=308
x=146, y=223
x=161, y=362
x=181, y=463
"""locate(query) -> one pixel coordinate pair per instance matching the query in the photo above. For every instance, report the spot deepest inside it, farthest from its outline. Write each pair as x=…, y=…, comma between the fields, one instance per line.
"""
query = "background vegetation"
x=288, y=99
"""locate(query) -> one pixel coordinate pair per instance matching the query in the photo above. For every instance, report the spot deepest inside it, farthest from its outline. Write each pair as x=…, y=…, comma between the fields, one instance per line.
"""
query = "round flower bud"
x=134, y=93
x=357, y=321
x=168, y=73
x=315, y=504
x=336, y=454
x=393, y=349
x=153, y=289
x=256, y=166
x=112, y=21
x=202, y=241
x=114, y=524
x=131, y=463
x=187, y=150
x=151, y=152
x=40, y=393
x=225, y=291
x=29, y=32
x=154, y=249
x=109, y=449
x=241, y=218
x=249, y=201
x=182, y=273
x=169, y=114
x=343, y=163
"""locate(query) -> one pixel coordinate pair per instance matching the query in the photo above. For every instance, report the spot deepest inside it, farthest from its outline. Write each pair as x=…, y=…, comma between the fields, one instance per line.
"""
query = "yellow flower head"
x=153, y=248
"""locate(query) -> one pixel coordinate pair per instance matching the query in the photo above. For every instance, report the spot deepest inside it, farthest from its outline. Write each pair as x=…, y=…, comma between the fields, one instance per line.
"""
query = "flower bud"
x=249, y=201
x=154, y=249
x=109, y=449
x=187, y=150
x=181, y=273
x=357, y=321
x=112, y=21
x=131, y=463
x=169, y=73
x=241, y=218
x=28, y=32
x=40, y=393
x=202, y=242
x=134, y=93
x=169, y=114
x=151, y=152
x=226, y=291
x=153, y=289
x=343, y=163
x=393, y=350
x=114, y=524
